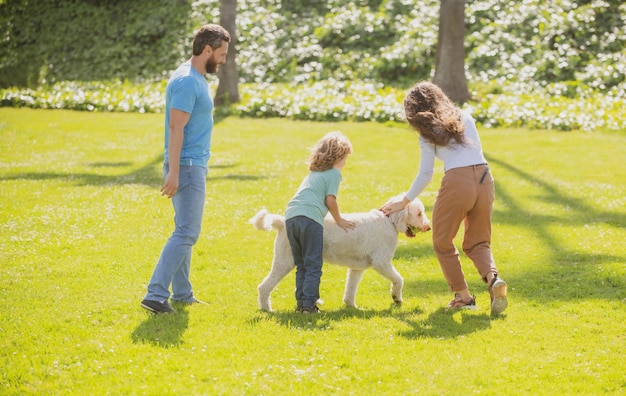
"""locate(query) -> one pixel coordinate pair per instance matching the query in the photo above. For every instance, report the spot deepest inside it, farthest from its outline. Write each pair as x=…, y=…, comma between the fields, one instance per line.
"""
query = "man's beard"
x=211, y=66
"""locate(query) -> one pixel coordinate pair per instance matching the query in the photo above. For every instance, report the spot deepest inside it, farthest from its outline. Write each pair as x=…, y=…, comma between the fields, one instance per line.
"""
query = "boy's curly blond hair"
x=332, y=148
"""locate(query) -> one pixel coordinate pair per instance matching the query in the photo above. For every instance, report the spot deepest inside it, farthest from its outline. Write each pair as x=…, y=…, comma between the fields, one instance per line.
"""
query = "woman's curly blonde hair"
x=332, y=148
x=433, y=115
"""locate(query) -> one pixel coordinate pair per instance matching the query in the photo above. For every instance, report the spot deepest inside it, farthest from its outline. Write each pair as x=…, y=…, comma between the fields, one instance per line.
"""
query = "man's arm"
x=178, y=120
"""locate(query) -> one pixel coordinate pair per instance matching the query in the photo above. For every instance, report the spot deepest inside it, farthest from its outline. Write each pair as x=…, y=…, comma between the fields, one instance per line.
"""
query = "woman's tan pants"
x=466, y=194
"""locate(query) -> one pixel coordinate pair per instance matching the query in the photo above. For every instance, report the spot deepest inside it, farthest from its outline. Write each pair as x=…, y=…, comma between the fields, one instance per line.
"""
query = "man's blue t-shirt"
x=310, y=199
x=187, y=90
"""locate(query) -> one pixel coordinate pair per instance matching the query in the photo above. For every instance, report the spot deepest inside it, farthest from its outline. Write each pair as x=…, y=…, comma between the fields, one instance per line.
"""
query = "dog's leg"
x=353, y=278
x=277, y=273
x=282, y=264
x=390, y=272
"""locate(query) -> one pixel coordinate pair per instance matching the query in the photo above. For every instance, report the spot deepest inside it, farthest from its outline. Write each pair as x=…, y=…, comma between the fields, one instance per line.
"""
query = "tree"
x=450, y=57
x=228, y=88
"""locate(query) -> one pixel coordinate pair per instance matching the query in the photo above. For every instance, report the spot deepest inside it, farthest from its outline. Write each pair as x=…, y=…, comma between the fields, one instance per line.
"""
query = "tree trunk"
x=450, y=57
x=228, y=88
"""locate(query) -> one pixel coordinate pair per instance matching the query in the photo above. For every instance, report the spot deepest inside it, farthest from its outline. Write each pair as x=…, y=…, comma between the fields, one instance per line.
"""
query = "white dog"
x=372, y=243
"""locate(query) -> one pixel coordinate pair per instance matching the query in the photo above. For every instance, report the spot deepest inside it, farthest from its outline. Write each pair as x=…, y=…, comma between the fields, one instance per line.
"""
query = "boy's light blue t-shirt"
x=187, y=90
x=310, y=199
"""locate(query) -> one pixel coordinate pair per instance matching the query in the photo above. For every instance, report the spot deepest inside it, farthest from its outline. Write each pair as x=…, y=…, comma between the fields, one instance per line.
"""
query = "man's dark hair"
x=211, y=35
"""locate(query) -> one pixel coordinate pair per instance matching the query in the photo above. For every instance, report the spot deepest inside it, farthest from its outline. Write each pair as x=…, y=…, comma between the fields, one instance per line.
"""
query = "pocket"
x=490, y=187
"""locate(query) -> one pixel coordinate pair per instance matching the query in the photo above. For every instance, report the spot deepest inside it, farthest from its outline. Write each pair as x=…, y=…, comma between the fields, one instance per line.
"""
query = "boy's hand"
x=346, y=224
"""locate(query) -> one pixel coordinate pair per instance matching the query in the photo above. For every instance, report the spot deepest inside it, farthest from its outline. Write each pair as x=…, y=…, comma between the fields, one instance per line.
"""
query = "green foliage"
x=82, y=224
x=51, y=40
x=555, y=65
x=561, y=106
x=548, y=42
x=112, y=96
x=394, y=41
x=389, y=41
x=355, y=28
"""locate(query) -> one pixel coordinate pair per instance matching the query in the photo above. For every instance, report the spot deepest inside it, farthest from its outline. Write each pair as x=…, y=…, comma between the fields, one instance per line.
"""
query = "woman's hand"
x=394, y=206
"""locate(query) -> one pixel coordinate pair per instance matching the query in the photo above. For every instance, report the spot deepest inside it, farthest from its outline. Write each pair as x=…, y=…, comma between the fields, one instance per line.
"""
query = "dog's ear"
x=399, y=219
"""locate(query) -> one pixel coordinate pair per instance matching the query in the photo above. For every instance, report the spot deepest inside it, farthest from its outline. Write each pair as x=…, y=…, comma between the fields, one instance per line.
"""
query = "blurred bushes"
x=57, y=40
x=388, y=41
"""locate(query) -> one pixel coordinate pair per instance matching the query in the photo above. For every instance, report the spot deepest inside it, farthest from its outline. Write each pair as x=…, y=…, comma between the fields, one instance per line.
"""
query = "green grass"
x=82, y=225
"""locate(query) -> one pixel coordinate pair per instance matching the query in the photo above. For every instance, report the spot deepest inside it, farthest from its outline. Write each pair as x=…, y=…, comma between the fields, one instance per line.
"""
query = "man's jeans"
x=175, y=261
x=306, y=238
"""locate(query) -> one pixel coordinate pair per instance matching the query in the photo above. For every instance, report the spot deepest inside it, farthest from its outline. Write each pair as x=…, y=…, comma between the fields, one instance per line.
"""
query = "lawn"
x=82, y=225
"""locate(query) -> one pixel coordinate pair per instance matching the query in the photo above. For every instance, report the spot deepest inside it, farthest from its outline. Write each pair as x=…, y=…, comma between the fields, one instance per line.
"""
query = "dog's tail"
x=266, y=221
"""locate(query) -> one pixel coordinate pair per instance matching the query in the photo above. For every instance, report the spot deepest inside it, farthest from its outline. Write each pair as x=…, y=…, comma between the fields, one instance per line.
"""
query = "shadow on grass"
x=420, y=253
x=442, y=324
x=165, y=330
x=567, y=275
x=150, y=174
x=235, y=177
x=323, y=320
x=582, y=212
x=439, y=324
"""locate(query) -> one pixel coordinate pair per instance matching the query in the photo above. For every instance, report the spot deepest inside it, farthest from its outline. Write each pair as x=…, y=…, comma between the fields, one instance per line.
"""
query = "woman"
x=466, y=193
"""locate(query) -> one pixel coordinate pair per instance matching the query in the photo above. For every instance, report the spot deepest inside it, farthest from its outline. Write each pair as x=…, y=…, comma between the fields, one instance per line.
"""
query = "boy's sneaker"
x=157, y=307
x=310, y=310
x=458, y=303
x=497, y=292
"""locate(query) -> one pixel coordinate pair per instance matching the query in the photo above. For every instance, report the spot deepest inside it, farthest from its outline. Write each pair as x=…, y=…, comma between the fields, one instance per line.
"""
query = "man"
x=188, y=128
